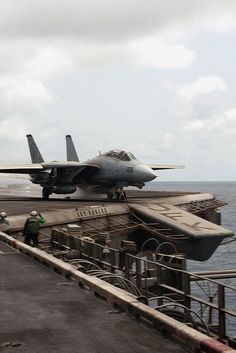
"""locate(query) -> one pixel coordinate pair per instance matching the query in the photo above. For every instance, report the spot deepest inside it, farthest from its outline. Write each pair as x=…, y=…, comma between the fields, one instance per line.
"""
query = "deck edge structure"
x=193, y=339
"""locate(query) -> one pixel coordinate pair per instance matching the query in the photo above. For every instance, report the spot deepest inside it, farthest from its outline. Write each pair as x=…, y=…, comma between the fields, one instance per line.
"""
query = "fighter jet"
x=107, y=173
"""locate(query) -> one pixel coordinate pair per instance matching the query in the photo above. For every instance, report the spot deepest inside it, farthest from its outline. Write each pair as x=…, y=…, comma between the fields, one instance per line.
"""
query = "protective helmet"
x=3, y=214
x=33, y=213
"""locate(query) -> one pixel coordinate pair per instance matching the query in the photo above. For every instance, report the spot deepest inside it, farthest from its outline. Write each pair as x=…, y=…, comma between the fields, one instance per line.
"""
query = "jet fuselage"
x=107, y=173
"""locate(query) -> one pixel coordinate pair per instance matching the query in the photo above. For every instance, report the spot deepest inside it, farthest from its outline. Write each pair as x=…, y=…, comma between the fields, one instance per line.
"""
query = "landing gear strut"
x=45, y=193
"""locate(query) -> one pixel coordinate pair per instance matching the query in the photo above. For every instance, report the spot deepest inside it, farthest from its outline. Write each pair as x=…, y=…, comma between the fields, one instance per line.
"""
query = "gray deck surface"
x=18, y=204
x=41, y=312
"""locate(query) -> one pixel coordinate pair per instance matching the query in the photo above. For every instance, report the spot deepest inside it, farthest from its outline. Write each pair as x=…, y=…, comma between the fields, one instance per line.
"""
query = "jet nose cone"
x=144, y=173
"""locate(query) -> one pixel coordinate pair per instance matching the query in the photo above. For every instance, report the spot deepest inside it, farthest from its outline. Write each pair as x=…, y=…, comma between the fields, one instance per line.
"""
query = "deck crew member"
x=4, y=223
x=31, y=228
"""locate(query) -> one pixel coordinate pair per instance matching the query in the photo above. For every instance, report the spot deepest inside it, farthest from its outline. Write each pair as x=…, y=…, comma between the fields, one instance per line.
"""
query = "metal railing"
x=164, y=277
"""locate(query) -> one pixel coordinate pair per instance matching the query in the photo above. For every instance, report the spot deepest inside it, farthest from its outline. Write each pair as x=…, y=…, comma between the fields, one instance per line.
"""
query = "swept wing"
x=15, y=176
x=21, y=168
x=165, y=166
x=35, y=168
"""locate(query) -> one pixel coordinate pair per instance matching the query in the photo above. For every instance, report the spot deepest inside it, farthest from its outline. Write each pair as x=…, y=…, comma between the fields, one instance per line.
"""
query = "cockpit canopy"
x=120, y=154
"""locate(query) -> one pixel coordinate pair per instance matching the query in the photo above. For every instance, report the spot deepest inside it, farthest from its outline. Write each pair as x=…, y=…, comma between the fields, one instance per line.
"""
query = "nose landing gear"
x=119, y=194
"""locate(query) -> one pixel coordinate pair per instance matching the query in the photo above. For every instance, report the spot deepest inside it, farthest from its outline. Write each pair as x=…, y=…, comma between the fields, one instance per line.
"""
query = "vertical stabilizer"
x=70, y=150
x=36, y=156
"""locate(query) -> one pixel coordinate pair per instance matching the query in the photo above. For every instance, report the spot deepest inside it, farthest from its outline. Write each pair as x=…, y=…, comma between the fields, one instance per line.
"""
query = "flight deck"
x=18, y=204
x=139, y=245
x=189, y=221
x=43, y=312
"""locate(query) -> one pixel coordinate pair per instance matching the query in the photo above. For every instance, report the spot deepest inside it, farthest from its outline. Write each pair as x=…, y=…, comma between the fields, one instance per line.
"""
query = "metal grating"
x=196, y=207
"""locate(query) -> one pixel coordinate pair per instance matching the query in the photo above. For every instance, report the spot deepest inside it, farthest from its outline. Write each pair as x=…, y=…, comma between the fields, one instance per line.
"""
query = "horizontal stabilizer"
x=35, y=154
x=15, y=176
x=36, y=168
x=165, y=166
x=21, y=168
x=70, y=150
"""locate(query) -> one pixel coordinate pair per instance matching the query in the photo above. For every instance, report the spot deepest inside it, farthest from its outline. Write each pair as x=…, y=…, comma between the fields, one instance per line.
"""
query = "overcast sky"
x=155, y=77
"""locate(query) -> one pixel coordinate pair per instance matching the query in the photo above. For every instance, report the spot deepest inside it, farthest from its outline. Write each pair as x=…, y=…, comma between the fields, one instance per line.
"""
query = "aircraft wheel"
x=117, y=195
x=45, y=193
x=120, y=195
x=123, y=195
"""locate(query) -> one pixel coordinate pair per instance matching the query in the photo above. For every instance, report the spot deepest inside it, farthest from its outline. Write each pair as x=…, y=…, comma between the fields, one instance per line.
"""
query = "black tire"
x=117, y=195
x=110, y=195
x=123, y=195
x=45, y=193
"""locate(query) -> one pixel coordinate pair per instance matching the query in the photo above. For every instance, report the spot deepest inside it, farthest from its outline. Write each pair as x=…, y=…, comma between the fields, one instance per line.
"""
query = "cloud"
x=104, y=20
x=13, y=129
x=147, y=52
x=47, y=61
x=25, y=76
x=202, y=86
x=224, y=124
x=52, y=37
x=22, y=95
x=158, y=54
x=154, y=148
x=224, y=23
x=47, y=50
x=39, y=59
x=198, y=100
